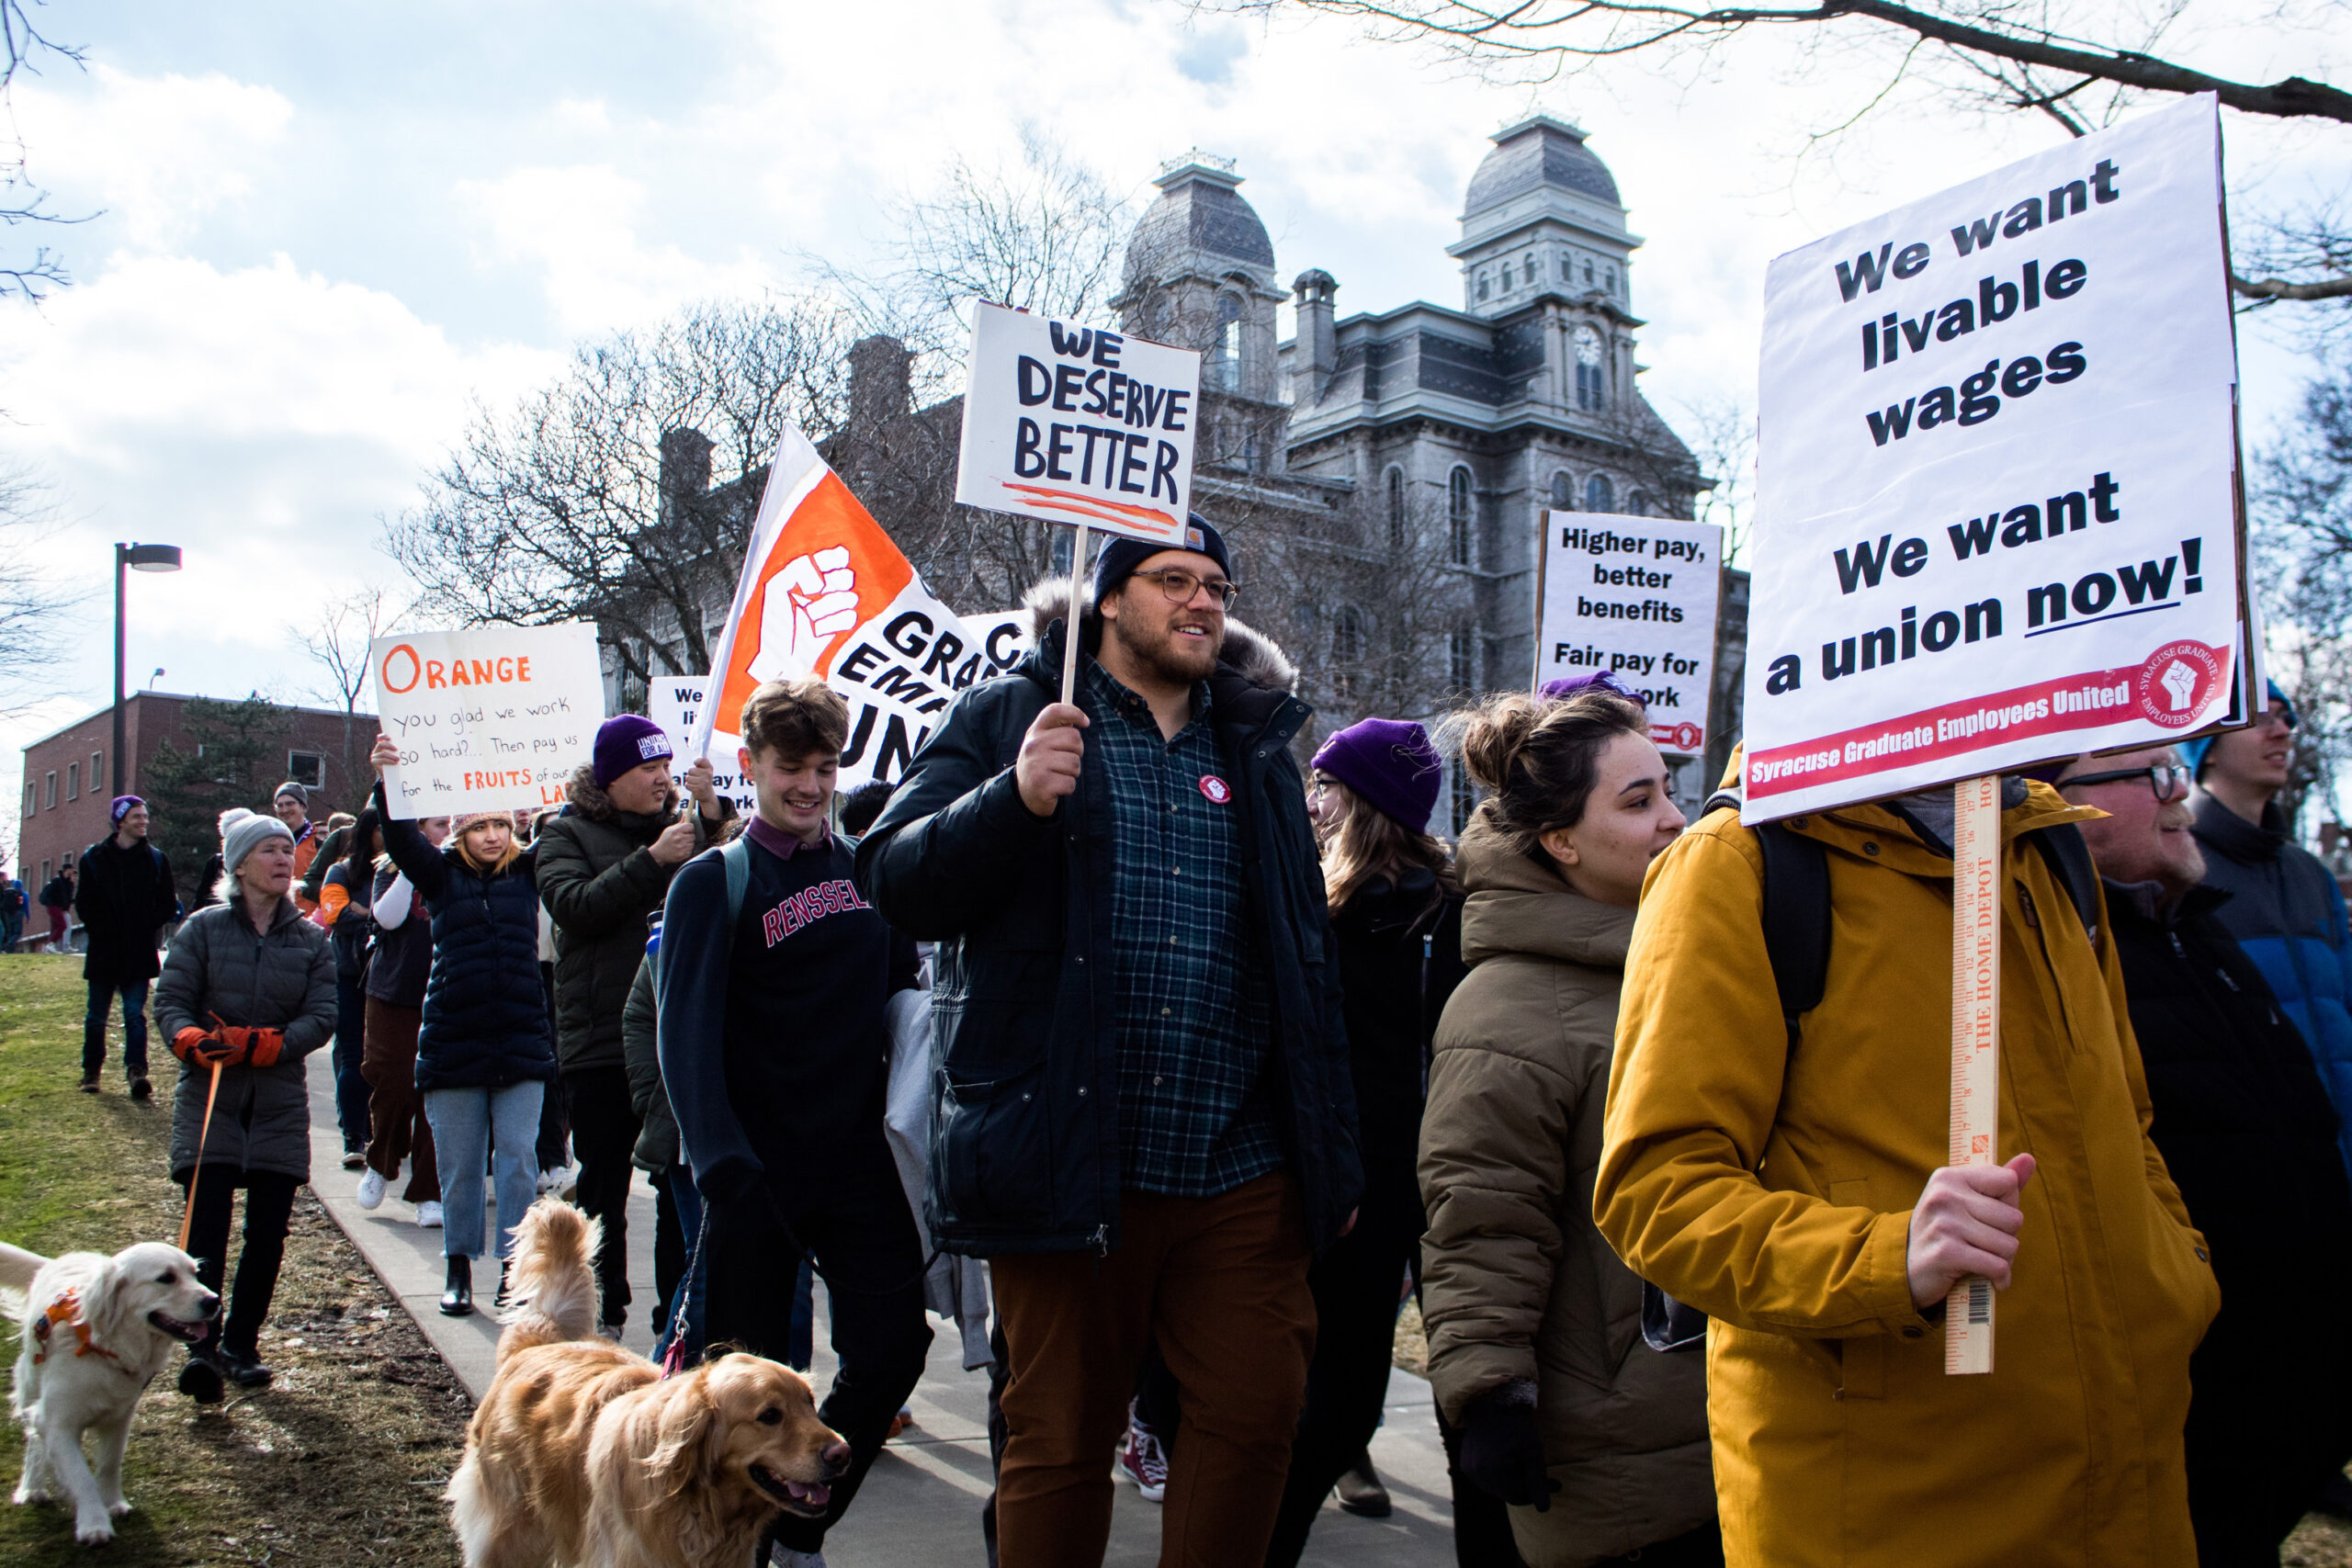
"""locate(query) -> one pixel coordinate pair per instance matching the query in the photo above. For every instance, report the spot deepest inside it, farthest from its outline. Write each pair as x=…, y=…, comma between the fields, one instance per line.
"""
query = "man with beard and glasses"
x=2250, y=1138
x=1145, y=1121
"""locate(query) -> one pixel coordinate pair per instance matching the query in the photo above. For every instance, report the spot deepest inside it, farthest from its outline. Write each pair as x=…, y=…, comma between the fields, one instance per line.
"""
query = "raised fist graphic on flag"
x=804, y=607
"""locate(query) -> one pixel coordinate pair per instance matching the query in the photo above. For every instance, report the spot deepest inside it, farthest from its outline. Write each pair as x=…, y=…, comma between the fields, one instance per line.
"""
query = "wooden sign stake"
x=1975, y=1038
x=1077, y=601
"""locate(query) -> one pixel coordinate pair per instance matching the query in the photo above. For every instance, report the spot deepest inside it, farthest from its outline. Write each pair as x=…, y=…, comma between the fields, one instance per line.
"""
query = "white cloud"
x=159, y=153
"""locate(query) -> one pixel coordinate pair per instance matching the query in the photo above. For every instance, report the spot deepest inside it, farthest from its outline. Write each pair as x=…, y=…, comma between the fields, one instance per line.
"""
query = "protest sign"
x=1998, y=476
x=825, y=593
x=1633, y=597
x=1079, y=424
x=1002, y=640
x=486, y=719
x=674, y=701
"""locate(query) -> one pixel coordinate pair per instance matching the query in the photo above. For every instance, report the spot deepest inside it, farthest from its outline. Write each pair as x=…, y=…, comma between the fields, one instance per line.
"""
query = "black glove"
x=1501, y=1450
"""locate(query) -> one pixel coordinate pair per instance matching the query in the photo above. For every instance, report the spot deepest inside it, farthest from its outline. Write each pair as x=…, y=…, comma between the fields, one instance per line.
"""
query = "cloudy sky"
x=323, y=230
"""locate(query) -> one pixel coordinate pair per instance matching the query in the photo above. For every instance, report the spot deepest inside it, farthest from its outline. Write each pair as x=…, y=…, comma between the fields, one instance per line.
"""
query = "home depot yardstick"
x=1975, y=1038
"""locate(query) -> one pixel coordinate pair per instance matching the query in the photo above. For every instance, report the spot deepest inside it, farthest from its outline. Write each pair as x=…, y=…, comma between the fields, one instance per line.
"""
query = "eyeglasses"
x=2168, y=780
x=1180, y=586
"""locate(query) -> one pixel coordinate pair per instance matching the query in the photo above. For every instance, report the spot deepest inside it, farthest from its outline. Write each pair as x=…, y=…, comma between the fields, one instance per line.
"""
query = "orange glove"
x=237, y=1040
x=263, y=1046
x=188, y=1043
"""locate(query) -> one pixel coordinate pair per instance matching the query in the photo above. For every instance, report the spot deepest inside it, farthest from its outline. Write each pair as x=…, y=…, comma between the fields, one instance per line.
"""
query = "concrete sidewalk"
x=921, y=1502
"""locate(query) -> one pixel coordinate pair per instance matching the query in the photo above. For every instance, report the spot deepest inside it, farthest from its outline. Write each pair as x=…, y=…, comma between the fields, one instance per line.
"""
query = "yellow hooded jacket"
x=1772, y=1189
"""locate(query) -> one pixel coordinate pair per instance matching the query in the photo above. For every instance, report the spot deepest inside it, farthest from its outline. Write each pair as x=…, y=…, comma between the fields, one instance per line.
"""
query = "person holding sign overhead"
x=1784, y=1172
x=1146, y=1123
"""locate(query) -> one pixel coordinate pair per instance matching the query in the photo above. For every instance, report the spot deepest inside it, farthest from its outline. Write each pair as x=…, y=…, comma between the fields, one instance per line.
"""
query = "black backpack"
x=1796, y=940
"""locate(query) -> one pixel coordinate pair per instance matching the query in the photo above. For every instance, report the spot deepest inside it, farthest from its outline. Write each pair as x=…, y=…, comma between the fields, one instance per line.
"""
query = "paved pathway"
x=921, y=1502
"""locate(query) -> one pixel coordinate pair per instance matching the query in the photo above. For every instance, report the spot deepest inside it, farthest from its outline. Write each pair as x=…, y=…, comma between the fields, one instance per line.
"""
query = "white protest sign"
x=674, y=701
x=1634, y=597
x=1996, y=476
x=487, y=719
x=825, y=592
x=1077, y=424
x=1002, y=640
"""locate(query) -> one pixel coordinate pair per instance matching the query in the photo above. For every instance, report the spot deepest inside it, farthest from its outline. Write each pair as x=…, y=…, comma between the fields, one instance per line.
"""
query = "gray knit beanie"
x=246, y=835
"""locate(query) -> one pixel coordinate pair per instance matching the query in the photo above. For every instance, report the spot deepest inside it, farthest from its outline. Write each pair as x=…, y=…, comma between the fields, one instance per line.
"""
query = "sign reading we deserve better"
x=1634, y=597
x=487, y=719
x=1077, y=424
x=1996, y=476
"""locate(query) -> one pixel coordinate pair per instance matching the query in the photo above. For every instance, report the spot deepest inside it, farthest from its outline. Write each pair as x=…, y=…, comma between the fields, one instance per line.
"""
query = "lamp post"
x=138, y=557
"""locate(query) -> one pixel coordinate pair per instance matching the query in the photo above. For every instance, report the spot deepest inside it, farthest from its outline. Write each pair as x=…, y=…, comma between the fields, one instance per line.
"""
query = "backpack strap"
x=1796, y=917
x=2069, y=859
x=736, y=856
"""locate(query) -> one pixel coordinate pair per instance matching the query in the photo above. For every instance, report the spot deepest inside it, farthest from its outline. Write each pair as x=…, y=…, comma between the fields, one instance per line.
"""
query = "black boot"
x=457, y=1295
x=200, y=1379
x=243, y=1368
x=1360, y=1492
x=505, y=1268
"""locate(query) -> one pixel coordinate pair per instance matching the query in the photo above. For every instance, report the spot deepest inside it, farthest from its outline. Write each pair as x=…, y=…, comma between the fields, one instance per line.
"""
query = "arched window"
x=1482, y=286
x=1592, y=394
x=1612, y=280
x=1567, y=267
x=1564, y=493
x=1396, y=509
x=1457, y=517
x=1347, y=650
x=1223, y=367
x=1588, y=270
x=1638, y=504
x=1599, y=495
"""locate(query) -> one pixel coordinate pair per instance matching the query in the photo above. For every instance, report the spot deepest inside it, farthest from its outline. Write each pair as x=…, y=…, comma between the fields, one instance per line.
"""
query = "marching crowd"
x=1215, y=1061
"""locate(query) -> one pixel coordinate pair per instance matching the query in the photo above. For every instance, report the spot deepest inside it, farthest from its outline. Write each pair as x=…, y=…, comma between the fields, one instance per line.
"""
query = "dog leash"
x=203, y=1133
x=673, y=1359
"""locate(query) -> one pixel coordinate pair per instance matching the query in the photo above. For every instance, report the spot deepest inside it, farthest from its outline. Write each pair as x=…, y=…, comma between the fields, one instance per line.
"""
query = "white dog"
x=95, y=1331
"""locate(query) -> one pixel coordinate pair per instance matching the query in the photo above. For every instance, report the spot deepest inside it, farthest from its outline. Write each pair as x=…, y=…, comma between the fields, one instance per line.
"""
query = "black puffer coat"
x=599, y=879
x=1400, y=958
x=2249, y=1136
x=1026, y=1139
x=485, y=1014
x=220, y=965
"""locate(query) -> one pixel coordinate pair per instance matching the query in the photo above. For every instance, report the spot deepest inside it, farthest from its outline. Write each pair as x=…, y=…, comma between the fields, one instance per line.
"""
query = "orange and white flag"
x=825, y=592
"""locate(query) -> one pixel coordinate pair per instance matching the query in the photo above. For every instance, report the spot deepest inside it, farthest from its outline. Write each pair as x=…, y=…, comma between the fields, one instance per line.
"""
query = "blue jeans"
x=134, y=1027
x=350, y=1089
x=463, y=1121
x=12, y=927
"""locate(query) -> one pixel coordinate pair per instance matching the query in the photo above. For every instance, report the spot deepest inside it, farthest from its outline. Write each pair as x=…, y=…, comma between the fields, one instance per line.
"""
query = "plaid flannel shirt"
x=1193, y=1023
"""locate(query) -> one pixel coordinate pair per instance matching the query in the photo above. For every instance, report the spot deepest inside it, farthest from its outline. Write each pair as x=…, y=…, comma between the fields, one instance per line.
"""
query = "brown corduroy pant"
x=1220, y=1283
x=396, y=1128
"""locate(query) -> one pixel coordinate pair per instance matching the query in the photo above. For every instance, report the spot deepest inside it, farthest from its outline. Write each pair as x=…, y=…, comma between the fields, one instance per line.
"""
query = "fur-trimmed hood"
x=586, y=797
x=1247, y=652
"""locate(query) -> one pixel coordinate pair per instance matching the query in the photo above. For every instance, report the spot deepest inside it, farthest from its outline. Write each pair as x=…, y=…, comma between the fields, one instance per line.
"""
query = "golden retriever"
x=584, y=1455
x=95, y=1332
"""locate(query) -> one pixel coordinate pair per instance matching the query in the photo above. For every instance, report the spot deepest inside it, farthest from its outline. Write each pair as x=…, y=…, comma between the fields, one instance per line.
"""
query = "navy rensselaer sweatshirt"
x=772, y=1036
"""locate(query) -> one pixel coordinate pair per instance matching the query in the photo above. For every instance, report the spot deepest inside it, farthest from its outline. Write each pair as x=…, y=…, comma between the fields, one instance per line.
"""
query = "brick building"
x=69, y=774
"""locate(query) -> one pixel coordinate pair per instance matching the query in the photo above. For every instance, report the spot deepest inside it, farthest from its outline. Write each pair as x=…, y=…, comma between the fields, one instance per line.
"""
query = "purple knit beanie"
x=1605, y=680
x=1388, y=761
x=624, y=741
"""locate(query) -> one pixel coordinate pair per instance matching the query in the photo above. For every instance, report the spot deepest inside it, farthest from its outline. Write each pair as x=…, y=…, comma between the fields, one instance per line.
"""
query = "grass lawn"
x=341, y=1462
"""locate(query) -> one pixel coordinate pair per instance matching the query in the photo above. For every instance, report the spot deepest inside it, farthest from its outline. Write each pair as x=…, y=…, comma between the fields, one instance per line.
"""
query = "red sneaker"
x=1142, y=1460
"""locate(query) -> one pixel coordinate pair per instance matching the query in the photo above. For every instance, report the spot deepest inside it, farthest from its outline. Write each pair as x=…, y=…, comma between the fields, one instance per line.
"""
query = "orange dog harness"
x=66, y=1309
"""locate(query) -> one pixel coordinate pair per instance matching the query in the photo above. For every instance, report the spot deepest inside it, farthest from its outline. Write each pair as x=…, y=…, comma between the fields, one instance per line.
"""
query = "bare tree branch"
x=37, y=610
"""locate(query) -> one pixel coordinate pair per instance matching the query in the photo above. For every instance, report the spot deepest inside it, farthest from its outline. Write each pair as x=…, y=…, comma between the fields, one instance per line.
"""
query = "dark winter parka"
x=599, y=879
x=485, y=1014
x=2246, y=1131
x=124, y=897
x=657, y=1141
x=1399, y=951
x=220, y=967
x=1025, y=1140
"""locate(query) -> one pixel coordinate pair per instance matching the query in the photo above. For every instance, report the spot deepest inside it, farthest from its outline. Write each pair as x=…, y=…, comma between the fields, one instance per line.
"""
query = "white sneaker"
x=371, y=1189
x=428, y=1215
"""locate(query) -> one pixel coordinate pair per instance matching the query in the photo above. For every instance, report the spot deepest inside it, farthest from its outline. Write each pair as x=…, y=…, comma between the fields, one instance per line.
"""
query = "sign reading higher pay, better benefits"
x=1634, y=597
x=1996, y=476
x=1077, y=424
x=487, y=719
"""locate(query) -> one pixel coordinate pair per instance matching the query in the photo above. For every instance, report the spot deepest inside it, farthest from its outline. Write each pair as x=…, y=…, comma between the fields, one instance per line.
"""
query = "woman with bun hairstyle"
x=484, y=1052
x=247, y=992
x=1536, y=1355
x=1396, y=924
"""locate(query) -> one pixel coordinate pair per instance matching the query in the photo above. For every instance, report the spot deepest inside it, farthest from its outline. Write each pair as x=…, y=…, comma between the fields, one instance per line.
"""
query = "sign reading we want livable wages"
x=1634, y=597
x=1998, y=476
x=1077, y=424
x=490, y=718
